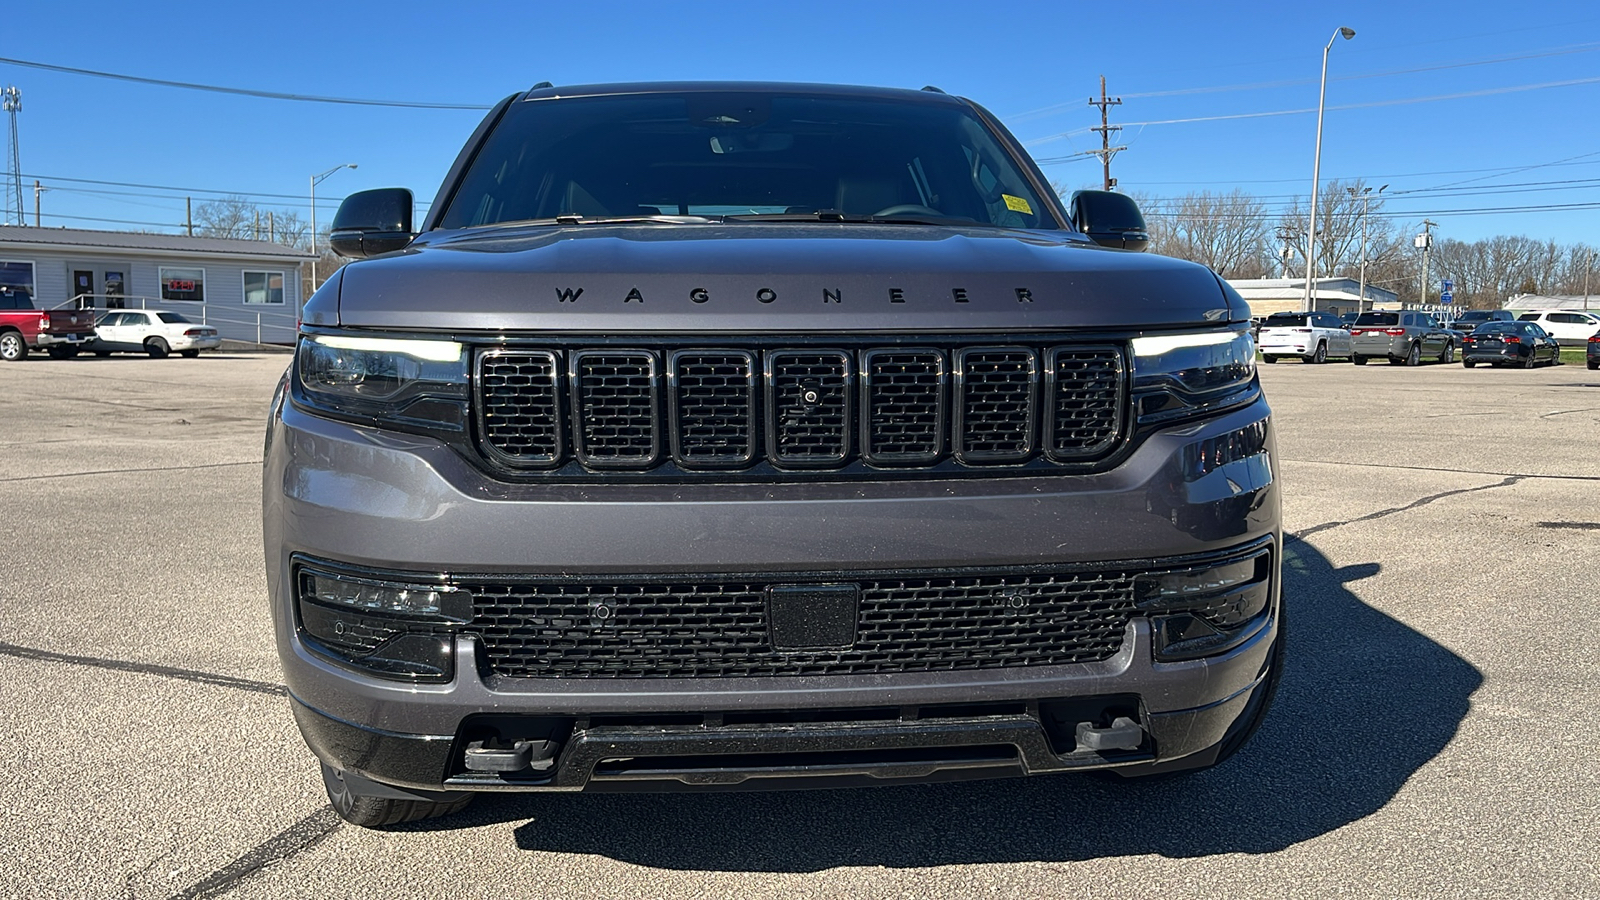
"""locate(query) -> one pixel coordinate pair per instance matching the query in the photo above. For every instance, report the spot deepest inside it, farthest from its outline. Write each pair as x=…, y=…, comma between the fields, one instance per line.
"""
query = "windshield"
x=743, y=154
x=1378, y=318
x=1283, y=320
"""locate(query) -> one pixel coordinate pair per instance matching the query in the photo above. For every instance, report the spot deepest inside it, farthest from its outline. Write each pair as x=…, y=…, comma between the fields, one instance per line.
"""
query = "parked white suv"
x=151, y=331
x=1571, y=327
x=1311, y=336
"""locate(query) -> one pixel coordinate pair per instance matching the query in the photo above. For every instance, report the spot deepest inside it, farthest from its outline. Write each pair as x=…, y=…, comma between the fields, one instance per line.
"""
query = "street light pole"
x=316, y=180
x=1316, y=165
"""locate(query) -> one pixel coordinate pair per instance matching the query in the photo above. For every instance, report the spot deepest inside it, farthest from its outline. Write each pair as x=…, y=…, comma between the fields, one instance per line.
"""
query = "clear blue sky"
x=1519, y=125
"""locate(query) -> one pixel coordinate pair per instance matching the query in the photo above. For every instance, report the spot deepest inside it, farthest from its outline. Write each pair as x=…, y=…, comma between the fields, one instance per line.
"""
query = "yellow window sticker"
x=1017, y=204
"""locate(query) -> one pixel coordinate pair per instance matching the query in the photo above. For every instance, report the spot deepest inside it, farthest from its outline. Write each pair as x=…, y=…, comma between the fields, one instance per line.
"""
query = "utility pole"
x=1366, y=197
x=37, y=190
x=272, y=231
x=256, y=234
x=1106, y=151
x=1587, y=266
x=1425, y=241
x=188, y=215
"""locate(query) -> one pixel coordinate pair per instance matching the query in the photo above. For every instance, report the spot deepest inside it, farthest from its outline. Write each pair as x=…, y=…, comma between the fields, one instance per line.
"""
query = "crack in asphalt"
x=1531, y=475
x=297, y=838
x=252, y=462
x=120, y=665
x=1510, y=480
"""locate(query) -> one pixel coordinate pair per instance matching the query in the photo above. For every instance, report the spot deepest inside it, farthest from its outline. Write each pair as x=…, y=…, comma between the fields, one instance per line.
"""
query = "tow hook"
x=1123, y=734
x=536, y=755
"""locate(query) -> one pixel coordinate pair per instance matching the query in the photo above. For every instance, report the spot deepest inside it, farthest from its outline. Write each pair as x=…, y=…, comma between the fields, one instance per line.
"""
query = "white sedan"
x=152, y=332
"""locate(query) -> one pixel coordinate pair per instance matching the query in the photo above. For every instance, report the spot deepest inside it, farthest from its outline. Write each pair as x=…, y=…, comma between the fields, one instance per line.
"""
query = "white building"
x=249, y=290
x=1336, y=295
x=1522, y=302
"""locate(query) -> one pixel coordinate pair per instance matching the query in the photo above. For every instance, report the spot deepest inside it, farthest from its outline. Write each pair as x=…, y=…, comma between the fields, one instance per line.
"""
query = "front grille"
x=705, y=410
x=692, y=628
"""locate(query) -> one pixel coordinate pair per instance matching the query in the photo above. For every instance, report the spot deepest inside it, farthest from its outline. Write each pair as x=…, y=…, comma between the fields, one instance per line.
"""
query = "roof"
x=738, y=87
x=1577, y=302
x=69, y=238
x=1328, y=288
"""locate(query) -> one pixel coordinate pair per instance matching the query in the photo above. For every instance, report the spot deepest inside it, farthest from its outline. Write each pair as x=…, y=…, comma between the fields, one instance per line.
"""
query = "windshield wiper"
x=834, y=215
x=626, y=220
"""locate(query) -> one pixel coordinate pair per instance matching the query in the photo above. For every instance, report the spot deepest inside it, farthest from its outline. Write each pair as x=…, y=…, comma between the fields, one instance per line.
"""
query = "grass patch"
x=1573, y=356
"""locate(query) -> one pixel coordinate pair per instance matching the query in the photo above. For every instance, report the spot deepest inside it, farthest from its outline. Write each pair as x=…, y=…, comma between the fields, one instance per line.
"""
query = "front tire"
x=370, y=811
x=1449, y=354
x=157, y=348
x=12, y=347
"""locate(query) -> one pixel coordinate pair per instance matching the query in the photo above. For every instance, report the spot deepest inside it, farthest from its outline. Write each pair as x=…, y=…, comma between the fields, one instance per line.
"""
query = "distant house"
x=1522, y=302
x=1336, y=295
x=249, y=290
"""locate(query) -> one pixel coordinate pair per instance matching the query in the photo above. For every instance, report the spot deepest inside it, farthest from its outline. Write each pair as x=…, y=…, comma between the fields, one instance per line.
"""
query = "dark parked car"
x=1510, y=344
x=1404, y=338
x=1472, y=318
x=1593, y=353
x=718, y=436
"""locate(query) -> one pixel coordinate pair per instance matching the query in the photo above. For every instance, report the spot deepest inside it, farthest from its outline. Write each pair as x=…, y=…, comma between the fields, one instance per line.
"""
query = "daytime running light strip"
x=430, y=351
x=1165, y=343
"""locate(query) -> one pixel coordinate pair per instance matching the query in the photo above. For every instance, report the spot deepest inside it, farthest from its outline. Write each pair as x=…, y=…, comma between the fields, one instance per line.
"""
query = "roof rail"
x=541, y=85
x=931, y=89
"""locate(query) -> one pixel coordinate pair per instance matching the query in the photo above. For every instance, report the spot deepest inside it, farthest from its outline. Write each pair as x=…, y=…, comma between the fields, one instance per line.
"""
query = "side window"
x=1528, y=317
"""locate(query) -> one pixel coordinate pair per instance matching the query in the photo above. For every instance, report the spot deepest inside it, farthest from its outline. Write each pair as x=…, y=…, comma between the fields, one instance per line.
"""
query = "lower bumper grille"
x=681, y=629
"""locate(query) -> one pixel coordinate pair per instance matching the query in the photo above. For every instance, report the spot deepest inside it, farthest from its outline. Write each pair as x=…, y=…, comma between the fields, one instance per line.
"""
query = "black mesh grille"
x=1086, y=403
x=669, y=629
x=714, y=405
x=997, y=387
x=520, y=411
x=615, y=409
x=809, y=406
x=903, y=416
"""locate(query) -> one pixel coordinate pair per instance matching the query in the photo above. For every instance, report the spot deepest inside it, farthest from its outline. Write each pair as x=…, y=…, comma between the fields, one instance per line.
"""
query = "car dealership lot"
x=1433, y=736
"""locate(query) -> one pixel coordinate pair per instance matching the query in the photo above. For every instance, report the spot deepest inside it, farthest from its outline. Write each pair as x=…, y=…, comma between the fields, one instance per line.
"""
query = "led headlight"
x=416, y=382
x=1175, y=374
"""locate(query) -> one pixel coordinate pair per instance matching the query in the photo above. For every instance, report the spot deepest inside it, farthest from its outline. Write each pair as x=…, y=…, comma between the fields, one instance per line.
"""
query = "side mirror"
x=1110, y=219
x=372, y=222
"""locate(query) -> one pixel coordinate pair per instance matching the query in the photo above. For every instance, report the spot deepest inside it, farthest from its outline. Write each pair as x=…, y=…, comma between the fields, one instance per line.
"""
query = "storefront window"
x=183, y=284
x=16, y=284
x=263, y=287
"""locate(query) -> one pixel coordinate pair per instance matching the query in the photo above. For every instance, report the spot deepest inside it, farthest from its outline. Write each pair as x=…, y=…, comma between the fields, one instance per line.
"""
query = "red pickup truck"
x=59, y=332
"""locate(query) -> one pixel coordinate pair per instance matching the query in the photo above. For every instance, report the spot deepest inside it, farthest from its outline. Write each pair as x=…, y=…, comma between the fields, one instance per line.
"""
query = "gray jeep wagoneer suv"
x=748, y=436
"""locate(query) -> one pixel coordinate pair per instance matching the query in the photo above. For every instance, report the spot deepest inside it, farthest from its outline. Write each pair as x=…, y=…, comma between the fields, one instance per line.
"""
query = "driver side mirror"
x=372, y=222
x=1110, y=219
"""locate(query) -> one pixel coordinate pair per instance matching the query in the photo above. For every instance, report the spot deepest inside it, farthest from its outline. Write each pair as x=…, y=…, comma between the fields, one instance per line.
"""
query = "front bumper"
x=344, y=492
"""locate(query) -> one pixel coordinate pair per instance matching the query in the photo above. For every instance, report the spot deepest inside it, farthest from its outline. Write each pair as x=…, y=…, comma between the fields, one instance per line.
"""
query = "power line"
x=242, y=92
x=1405, y=101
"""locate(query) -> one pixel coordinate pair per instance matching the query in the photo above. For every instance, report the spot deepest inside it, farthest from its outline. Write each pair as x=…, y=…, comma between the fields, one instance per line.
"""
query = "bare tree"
x=1225, y=232
x=1339, y=213
x=236, y=217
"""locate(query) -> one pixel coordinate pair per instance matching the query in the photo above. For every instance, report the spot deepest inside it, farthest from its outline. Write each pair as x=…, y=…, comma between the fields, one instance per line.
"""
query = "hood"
x=743, y=278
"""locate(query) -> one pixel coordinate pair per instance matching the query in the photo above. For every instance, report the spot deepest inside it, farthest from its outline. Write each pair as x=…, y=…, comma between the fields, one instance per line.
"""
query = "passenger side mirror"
x=1110, y=219
x=372, y=222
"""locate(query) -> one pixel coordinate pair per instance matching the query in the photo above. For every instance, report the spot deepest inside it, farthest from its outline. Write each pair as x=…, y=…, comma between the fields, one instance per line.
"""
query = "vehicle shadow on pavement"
x=1365, y=702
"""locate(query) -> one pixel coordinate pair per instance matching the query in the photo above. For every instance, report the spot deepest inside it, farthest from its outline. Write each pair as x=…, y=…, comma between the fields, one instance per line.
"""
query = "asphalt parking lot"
x=1433, y=736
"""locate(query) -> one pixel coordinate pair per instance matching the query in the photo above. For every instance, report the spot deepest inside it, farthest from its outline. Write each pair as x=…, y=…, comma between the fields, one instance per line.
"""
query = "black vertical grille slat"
x=680, y=410
x=713, y=396
x=616, y=418
x=519, y=408
x=902, y=408
x=1086, y=405
x=996, y=399
x=808, y=407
